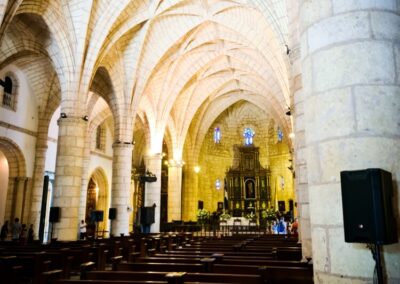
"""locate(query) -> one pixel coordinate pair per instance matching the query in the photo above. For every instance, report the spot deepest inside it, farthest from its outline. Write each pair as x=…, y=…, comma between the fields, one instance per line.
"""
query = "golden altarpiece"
x=248, y=184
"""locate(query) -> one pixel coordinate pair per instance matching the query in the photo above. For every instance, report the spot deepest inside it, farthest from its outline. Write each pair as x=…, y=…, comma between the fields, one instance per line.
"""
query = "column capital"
x=71, y=119
x=154, y=156
x=41, y=147
x=175, y=163
x=20, y=179
x=120, y=144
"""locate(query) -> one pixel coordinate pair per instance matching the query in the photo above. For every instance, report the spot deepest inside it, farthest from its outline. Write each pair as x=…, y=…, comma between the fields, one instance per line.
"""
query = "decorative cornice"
x=104, y=156
x=19, y=129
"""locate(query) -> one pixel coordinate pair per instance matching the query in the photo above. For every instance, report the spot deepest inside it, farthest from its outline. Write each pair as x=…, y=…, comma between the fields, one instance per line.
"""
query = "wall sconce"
x=63, y=115
x=288, y=112
x=85, y=118
x=196, y=169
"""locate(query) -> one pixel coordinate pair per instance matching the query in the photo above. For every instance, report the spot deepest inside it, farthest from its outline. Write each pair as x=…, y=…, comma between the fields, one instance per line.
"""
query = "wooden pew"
x=188, y=277
x=227, y=261
x=163, y=267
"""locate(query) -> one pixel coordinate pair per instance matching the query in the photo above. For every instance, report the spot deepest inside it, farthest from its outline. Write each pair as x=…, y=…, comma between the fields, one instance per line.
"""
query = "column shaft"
x=69, y=163
x=351, y=85
x=121, y=186
x=19, y=187
x=153, y=189
x=37, y=188
x=175, y=191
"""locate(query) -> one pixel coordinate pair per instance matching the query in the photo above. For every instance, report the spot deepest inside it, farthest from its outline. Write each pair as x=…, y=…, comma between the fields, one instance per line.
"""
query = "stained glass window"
x=280, y=135
x=248, y=135
x=217, y=135
x=218, y=184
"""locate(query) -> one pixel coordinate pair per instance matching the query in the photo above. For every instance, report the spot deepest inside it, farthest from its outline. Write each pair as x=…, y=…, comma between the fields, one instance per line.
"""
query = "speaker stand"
x=97, y=230
x=376, y=254
x=51, y=233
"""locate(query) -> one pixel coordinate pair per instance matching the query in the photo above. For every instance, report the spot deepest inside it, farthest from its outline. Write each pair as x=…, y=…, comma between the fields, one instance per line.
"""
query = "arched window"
x=100, y=138
x=248, y=135
x=217, y=184
x=280, y=135
x=9, y=92
x=217, y=135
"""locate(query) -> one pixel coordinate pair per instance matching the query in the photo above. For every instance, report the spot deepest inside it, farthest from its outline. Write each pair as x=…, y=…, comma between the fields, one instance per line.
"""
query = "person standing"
x=4, y=231
x=23, y=235
x=282, y=226
x=295, y=227
x=82, y=230
x=16, y=230
x=30, y=234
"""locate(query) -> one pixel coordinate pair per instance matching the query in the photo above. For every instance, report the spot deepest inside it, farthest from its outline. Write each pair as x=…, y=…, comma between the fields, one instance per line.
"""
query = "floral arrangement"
x=250, y=216
x=269, y=214
x=224, y=216
x=203, y=215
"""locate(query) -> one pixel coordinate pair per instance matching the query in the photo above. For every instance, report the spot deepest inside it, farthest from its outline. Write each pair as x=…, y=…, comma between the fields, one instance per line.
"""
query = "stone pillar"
x=297, y=103
x=121, y=185
x=26, y=204
x=153, y=189
x=85, y=178
x=10, y=199
x=350, y=70
x=19, y=194
x=69, y=170
x=37, y=188
x=174, y=190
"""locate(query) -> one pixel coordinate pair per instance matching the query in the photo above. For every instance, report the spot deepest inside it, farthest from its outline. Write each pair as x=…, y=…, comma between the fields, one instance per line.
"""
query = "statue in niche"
x=250, y=192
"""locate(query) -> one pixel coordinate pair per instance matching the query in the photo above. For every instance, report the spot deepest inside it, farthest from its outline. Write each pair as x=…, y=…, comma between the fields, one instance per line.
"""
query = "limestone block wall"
x=350, y=68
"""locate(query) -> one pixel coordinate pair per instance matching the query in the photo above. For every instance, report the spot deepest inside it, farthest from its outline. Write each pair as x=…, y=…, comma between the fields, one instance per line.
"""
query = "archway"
x=13, y=181
x=97, y=200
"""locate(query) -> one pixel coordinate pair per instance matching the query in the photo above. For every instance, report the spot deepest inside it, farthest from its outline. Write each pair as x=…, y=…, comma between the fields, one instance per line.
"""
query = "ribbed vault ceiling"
x=167, y=61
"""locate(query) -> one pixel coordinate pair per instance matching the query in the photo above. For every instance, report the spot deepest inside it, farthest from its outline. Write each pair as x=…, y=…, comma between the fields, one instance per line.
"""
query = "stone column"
x=69, y=170
x=10, y=199
x=351, y=85
x=174, y=190
x=153, y=189
x=19, y=194
x=85, y=178
x=37, y=189
x=26, y=204
x=297, y=103
x=121, y=185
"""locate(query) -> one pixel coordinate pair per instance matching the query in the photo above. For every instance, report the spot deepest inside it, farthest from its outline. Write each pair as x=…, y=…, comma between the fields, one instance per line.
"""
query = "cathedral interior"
x=231, y=106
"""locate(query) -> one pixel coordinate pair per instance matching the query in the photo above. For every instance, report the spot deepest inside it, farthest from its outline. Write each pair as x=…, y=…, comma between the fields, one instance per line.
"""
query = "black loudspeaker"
x=54, y=214
x=112, y=213
x=200, y=204
x=147, y=215
x=281, y=206
x=97, y=216
x=367, y=207
x=290, y=205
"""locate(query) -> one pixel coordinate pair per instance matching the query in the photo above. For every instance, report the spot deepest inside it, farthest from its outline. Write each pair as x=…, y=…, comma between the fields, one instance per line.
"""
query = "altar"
x=236, y=221
x=248, y=185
